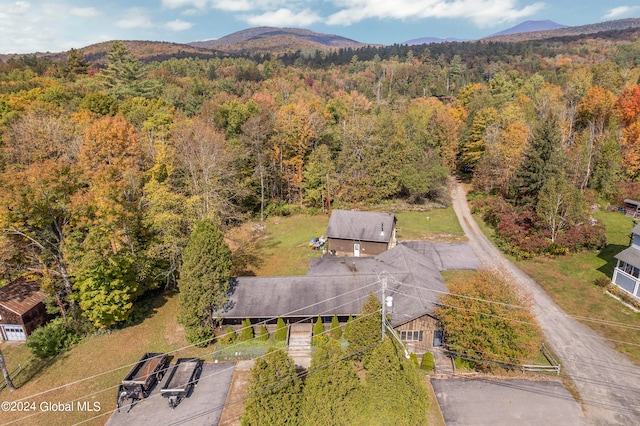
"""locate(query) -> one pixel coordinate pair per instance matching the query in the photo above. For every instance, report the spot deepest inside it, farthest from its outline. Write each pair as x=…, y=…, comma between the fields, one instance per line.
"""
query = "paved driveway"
x=492, y=402
x=203, y=407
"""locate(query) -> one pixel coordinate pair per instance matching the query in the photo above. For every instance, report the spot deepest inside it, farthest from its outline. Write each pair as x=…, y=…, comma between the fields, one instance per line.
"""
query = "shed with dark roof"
x=22, y=309
x=355, y=233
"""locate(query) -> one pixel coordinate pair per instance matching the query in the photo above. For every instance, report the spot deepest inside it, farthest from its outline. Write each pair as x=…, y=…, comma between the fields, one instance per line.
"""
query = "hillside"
x=145, y=51
x=620, y=24
x=276, y=40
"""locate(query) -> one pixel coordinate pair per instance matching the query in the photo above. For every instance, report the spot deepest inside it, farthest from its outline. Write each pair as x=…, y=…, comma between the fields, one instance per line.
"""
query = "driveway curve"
x=608, y=383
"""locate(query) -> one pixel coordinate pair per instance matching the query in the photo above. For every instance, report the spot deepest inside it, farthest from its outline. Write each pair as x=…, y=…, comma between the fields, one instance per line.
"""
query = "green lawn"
x=569, y=281
x=439, y=224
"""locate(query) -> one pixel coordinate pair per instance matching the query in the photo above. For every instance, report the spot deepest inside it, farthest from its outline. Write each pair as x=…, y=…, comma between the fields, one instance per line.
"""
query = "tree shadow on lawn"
x=607, y=254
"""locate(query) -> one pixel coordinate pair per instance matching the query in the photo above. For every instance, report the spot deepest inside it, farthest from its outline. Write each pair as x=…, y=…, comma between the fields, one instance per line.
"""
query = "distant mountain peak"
x=530, y=26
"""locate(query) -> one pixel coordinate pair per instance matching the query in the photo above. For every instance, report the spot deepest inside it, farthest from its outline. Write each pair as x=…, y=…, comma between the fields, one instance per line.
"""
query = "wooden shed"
x=22, y=309
x=356, y=233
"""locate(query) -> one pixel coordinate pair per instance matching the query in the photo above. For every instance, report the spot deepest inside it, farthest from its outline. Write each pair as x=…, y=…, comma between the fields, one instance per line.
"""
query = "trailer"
x=184, y=376
x=138, y=384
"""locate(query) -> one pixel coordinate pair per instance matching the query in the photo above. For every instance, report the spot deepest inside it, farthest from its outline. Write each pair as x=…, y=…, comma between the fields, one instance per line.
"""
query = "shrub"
x=464, y=364
x=583, y=237
x=336, y=331
x=427, y=363
x=319, y=336
x=281, y=331
x=229, y=336
x=247, y=330
x=414, y=359
x=264, y=333
x=51, y=339
x=347, y=327
x=602, y=282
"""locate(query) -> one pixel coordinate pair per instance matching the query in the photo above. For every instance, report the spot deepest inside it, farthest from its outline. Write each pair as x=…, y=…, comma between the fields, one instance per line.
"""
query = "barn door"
x=356, y=250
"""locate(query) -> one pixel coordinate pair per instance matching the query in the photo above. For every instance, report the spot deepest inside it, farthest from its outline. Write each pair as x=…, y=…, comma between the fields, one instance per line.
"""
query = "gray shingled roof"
x=630, y=255
x=333, y=286
x=360, y=226
x=636, y=229
x=447, y=256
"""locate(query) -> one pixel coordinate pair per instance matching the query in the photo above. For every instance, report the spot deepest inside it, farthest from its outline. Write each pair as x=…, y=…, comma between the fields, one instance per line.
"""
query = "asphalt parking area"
x=493, y=402
x=203, y=407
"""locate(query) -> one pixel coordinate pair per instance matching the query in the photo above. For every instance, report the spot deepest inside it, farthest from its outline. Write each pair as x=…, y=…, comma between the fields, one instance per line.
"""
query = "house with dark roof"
x=22, y=309
x=355, y=233
x=626, y=274
x=336, y=285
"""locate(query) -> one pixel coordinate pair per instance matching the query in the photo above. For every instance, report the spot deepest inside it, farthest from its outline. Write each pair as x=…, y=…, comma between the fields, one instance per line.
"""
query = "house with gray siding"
x=626, y=274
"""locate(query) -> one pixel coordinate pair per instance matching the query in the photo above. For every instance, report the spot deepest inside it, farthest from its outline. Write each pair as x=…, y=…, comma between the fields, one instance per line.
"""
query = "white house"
x=627, y=271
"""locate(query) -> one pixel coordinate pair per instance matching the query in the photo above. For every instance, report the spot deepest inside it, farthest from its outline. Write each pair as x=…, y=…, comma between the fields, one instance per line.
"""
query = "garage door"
x=13, y=332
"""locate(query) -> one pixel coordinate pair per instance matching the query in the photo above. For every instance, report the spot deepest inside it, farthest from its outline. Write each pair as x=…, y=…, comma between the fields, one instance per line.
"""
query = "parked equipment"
x=143, y=376
x=184, y=376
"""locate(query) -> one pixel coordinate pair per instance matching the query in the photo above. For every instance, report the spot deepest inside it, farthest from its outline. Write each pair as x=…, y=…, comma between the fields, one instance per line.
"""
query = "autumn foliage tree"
x=487, y=320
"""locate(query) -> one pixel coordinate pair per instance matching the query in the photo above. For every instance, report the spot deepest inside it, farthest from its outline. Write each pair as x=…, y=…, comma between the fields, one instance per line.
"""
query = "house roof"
x=338, y=285
x=361, y=226
x=636, y=229
x=630, y=255
x=447, y=256
x=21, y=295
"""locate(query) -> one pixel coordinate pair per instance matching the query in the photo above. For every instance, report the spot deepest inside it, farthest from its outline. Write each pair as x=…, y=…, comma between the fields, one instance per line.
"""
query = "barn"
x=22, y=309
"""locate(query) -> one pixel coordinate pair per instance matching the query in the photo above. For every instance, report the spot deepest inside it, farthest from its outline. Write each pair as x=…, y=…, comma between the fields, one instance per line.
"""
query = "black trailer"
x=138, y=384
x=183, y=378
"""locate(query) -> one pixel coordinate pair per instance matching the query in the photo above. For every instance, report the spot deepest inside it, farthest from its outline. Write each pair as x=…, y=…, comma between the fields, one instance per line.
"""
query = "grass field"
x=92, y=370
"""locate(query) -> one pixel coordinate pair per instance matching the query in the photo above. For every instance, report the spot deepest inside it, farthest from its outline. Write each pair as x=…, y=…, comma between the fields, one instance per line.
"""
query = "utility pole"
x=384, y=289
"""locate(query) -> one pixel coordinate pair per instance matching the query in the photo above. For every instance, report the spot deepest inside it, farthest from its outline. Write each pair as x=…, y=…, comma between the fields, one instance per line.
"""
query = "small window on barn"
x=411, y=335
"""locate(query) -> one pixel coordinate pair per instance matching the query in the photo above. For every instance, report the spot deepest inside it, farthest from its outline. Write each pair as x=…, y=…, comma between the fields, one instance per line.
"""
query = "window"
x=411, y=335
x=630, y=269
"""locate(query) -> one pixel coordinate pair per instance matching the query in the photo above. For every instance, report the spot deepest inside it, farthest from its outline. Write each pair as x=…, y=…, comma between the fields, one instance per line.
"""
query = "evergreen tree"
x=319, y=336
x=76, y=64
x=394, y=389
x=542, y=159
x=124, y=72
x=247, y=330
x=347, y=327
x=427, y=363
x=264, y=333
x=274, y=392
x=365, y=328
x=204, y=282
x=330, y=388
x=281, y=331
x=336, y=331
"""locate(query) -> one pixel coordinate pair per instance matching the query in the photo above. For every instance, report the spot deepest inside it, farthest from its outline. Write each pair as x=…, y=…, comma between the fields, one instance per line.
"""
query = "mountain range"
x=271, y=40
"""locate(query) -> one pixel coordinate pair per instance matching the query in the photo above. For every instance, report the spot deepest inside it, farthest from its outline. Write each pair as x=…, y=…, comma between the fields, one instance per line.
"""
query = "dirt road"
x=608, y=384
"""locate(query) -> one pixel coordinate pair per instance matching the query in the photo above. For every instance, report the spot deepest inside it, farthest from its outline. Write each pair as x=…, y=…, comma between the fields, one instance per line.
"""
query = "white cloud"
x=482, y=13
x=621, y=12
x=85, y=12
x=136, y=17
x=283, y=18
x=175, y=4
x=178, y=25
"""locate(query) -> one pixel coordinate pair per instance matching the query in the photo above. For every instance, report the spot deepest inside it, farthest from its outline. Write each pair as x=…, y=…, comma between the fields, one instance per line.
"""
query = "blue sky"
x=29, y=26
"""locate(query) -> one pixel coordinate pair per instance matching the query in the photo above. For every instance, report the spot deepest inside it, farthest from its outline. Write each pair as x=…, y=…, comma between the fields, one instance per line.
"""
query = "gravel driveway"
x=608, y=383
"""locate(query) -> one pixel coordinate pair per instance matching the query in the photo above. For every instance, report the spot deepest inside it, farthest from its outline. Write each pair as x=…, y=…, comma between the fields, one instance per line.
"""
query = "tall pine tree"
x=274, y=393
x=204, y=282
x=542, y=159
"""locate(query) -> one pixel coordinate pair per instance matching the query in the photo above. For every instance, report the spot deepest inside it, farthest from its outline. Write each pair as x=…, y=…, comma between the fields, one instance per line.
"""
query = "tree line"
x=104, y=172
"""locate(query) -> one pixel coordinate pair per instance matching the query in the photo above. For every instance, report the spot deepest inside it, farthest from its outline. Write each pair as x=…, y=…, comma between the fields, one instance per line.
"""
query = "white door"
x=14, y=332
x=356, y=250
